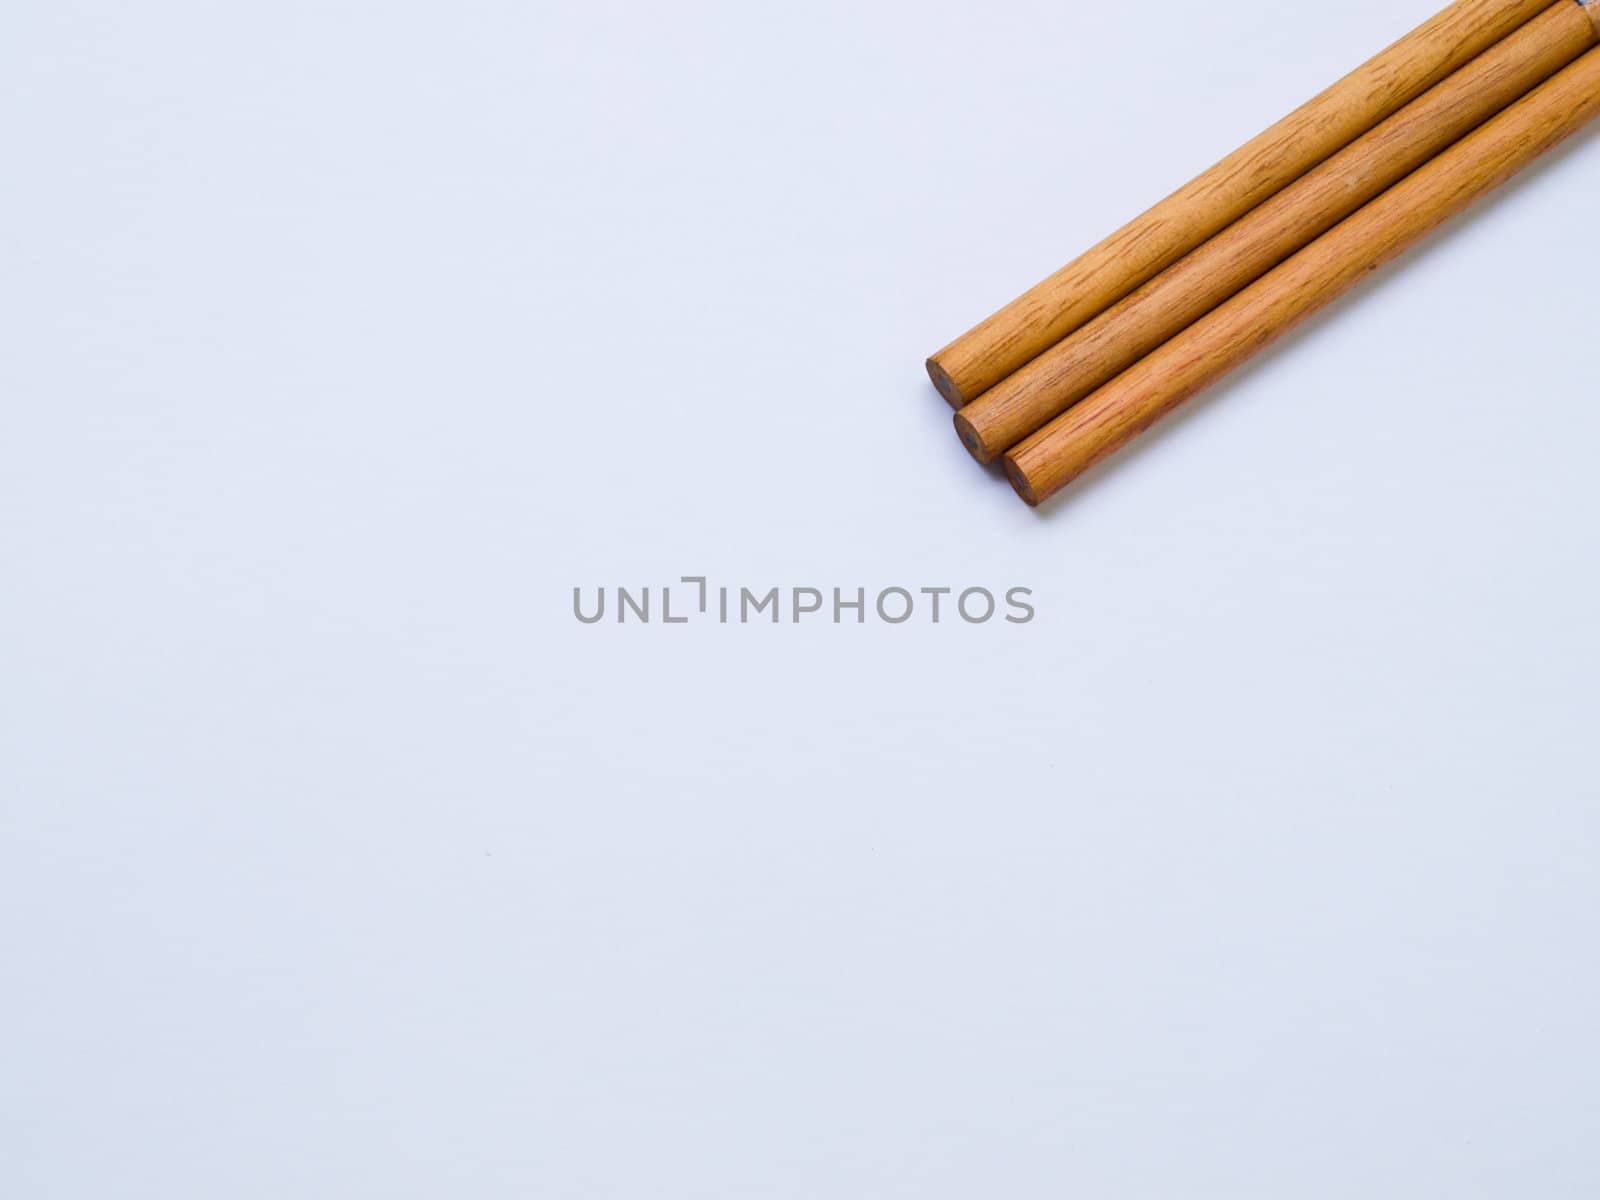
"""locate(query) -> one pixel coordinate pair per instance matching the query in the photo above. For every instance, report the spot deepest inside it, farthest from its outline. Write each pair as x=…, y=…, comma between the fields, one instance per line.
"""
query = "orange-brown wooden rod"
x=1319, y=274
x=1083, y=289
x=1250, y=247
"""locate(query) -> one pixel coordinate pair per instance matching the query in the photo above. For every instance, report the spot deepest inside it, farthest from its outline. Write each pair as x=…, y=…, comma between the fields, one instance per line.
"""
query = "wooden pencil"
x=1202, y=208
x=1317, y=275
x=1183, y=293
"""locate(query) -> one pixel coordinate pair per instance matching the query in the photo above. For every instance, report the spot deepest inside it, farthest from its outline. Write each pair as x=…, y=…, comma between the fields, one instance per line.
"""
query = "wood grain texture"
x=1073, y=368
x=1314, y=277
x=1592, y=7
x=1083, y=289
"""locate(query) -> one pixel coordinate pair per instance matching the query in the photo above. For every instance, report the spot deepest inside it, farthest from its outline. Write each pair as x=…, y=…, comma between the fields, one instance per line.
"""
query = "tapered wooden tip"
x=946, y=386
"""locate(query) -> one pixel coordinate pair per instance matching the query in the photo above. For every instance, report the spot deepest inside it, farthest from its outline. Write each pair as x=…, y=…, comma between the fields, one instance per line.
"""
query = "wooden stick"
x=1252, y=246
x=1083, y=289
x=1319, y=274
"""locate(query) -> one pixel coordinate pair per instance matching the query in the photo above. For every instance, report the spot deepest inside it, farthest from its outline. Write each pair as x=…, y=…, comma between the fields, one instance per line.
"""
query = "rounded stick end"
x=945, y=385
x=973, y=441
x=1020, y=483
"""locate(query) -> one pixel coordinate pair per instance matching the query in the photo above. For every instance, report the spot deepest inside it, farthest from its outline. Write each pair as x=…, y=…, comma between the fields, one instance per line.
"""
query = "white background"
x=344, y=339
